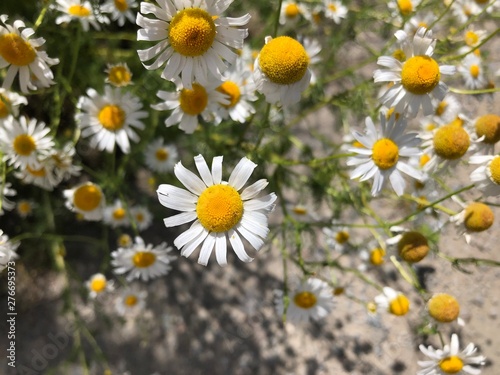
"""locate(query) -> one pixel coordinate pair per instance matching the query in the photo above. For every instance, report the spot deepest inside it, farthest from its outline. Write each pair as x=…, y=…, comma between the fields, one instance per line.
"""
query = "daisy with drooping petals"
x=98, y=284
x=380, y=156
x=116, y=215
x=487, y=175
x=42, y=176
x=219, y=210
x=450, y=360
x=119, y=75
x=61, y=160
x=81, y=11
x=22, y=55
x=141, y=261
x=474, y=218
x=86, y=199
x=487, y=130
x=194, y=39
x=281, y=70
x=9, y=104
x=161, y=157
x=120, y=10
x=130, y=301
x=393, y=302
x=312, y=299
x=417, y=79
x=110, y=119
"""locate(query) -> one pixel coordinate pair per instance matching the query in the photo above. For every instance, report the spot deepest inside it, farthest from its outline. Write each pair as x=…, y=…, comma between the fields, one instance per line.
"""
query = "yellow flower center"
x=342, y=237
x=494, y=170
x=471, y=38
x=283, y=60
x=124, y=240
x=305, y=300
x=121, y=5
x=4, y=106
x=413, y=247
x=451, y=142
x=385, y=153
x=292, y=10
x=420, y=75
x=377, y=256
x=232, y=90
x=219, y=208
x=36, y=172
x=161, y=154
x=87, y=197
x=143, y=259
x=474, y=70
x=332, y=8
x=400, y=305
x=443, y=307
x=119, y=214
x=192, y=32
x=405, y=7
x=194, y=101
x=441, y=108
x=15, y=50
x=424, y=159
x=478, y=217
x=299, y=210
x=399, y=55
x=79, y=11
x=24, y=145
x=130, y=300
x=119, y=75
x=451, y=365
x=489, y=126
x=111, y=117
x=98, y=284
x=24, y=207
x=139, y=217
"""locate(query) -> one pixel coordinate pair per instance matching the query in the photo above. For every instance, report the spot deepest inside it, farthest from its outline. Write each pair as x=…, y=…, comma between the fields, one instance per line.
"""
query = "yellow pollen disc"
x=4, y=106
x=399, y=306
x=342, y=237
x=219, y=208
x=79, y=11
x=441, y=108
x=405, y=7
x=299, y=210
x=443, y=307
x=451, y=365
x=87, y=197
x=283, y=60
x=98, y=284
x=494, y=170
x=161, y=154
x=121, y=5
x=24, y=145
x=192, y=32
x=474, y=70
x=377, y=256
x=489, y=126
x=194, y=101
x=143, y=259
x=423, y=24
x=305, y=300
x=413, y=247
x=139, y=217
x=24, y=207
x=124, y=240
x=385, y=153
x=399, y=55
x=130, y=300
x=451, y=142
x=332, y=8
x=119, y=214
x=478, y=217
x=292, y=10
x=111, y=117
x=15, y=50
x=232, y=90
x=420, y=75
x=471, y=38
x=36, y=172
x=119, y=75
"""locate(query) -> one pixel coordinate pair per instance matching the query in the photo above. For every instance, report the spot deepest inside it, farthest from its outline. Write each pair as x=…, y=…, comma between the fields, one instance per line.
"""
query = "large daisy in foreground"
x=220, y=210
x=193, y=38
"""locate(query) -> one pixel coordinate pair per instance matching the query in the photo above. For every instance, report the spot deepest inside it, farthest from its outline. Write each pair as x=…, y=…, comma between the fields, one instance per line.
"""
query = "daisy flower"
x=447, y=109
x=43, y=176
x=291, y=12
x=7, y=250
x=392, y=301
x=120, y=10
x=463, y=10
x=23, y=55
x=338, y=239
x=187, y=104
x=161, y=157
x=412, y=246
x=443, y=308
x=487, y=176
x=119, y=75
x=142, y=217
x=221, y=210
x=281, y=70
x=9, y=104
x=417, y=79
x=312, y=299
x=194, y=39
x=98, y=284
x=116, y=215
x=474, y=218
x=23, y=142
x=110, y=118
x=7, y=191
x=24, y=207
x=141, y=261
x=130, y=301
x=81, y=11
x=303, y=213
x=472, y=71
x=334, y=10
x=380, y=157
x=487, y=130
x=421, y=19
x=61, y=160
x=404, y=8
x=86, y=199
x=450, y=360
x=372, y=256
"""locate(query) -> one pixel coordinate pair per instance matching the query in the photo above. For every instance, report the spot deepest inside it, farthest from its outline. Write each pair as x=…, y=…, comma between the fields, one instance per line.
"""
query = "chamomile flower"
x=81, y=11
x=119, y=75
x=303, y=213
x=380, y=156
x=7, y=250
x=141, y=261
x=393, y=302
x=472, y=72
x=420, y=19
x=187, y=104
x=337, y=239
x=403, y=8
x=281, y=70
x=194, y=39
x=447, y=109
x=62, y=163
x=86, y=199
x=24, y=207
x=463, y=10
x=7, y=191
x=474, y=218
x=450, y=360
x=412, y=246
x=120, y=10
x=374, y=255
x=116, y=215
x=142, y=217
x=161, y=157
x=417, y=79
x=487, y=176
x=23, y=142
x=42, y=176
x=473, y=37
x=22, y=54
x=130, y=300
x=443, y=308
x=312, y=299
x=291, y=12
x=334, y=10
x=9, y=105
x=97, y=285
x=487, y=130
x=220, y=210
x=110, y=119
